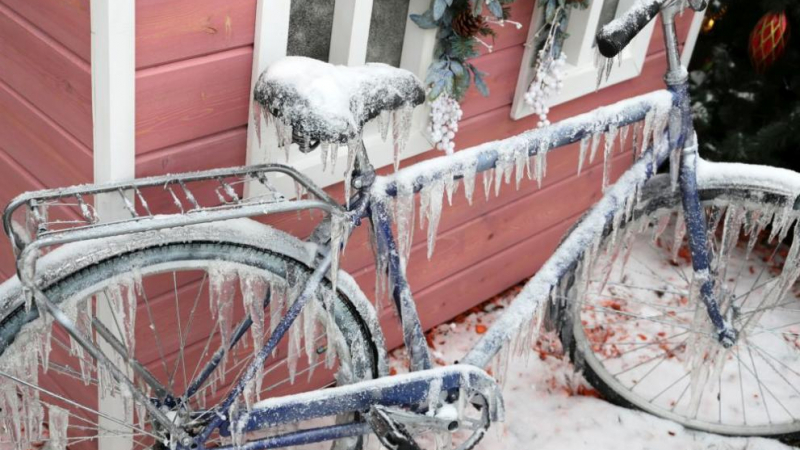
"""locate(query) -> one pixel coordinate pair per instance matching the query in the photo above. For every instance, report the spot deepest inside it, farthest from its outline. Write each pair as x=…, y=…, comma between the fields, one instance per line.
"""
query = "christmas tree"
x=745, y=82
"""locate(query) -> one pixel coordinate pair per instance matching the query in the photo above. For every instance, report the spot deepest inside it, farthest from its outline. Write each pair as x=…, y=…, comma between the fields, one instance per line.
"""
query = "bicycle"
x=309, y=319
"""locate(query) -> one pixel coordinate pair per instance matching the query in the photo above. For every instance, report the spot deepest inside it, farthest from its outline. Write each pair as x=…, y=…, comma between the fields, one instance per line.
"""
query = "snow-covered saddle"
x=323, y=102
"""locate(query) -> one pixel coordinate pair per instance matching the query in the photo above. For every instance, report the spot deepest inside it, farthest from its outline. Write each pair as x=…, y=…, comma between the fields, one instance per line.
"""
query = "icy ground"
x=548, y=407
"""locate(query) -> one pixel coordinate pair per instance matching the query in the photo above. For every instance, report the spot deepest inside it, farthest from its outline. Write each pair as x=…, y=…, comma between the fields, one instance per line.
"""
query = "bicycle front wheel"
x=644, y=340
x=172, y=309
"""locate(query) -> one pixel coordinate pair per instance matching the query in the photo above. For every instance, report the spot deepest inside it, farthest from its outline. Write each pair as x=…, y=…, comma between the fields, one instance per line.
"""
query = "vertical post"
x=114, y=120
x=350, y=35
x=271, y=40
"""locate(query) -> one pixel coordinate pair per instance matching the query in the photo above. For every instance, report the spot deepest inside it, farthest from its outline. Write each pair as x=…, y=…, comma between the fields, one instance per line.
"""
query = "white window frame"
x=349, y=39
x=580, y=76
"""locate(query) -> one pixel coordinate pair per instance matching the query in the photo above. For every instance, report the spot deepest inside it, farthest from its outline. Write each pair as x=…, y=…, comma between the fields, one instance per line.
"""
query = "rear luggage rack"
x=40, y=219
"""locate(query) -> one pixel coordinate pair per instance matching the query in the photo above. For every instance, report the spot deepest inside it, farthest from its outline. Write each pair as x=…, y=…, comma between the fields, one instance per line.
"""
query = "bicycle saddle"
x=328, y=103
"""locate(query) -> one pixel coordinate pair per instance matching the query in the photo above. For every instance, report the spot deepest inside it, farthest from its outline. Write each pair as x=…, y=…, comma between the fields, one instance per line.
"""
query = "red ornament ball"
x=768, y=40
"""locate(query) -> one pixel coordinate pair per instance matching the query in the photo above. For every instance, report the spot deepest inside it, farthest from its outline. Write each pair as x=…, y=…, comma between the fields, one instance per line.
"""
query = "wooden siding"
x=45, y=100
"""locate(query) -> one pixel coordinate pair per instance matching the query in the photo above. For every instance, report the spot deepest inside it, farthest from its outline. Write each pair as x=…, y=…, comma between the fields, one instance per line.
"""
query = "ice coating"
x=511, y=157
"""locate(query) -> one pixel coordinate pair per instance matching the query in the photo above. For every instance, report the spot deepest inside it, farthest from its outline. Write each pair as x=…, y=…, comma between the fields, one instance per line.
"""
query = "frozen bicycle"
x=185, y=325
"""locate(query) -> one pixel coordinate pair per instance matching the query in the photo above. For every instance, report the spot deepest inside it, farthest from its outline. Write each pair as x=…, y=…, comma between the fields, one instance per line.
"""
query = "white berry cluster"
x=547, y=82
x=445, y=114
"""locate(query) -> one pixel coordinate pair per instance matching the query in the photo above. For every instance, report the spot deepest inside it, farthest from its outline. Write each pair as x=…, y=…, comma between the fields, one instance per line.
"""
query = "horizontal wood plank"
x=191, y=99
x=173, y=30
x=52, y=78
x=54, y=156
x=66, y=21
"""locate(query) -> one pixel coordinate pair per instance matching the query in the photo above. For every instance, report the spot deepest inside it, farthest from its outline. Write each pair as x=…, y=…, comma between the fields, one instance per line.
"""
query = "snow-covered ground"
x=550, y=407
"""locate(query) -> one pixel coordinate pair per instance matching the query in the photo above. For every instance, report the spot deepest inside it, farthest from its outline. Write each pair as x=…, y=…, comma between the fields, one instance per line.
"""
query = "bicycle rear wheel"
x=172, y=307
x=643, y=339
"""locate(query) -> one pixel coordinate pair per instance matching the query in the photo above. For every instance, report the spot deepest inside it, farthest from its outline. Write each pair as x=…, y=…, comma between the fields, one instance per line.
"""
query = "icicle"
x=760, y=222
x=730, y=235
x=254, y=291
x=340, y=232
x=431, y=209
x=383, y=123
x=295, y=336
x=540, y=164
x=610, y=65
x=276, y=304
x=404, y=217
x=58, y=424
x=522, y=163
x=608, y=148
x=310, y=330
x=324, y=154
x=595, y=145
x=637, y=131
x=648, y=129
x=623, y=137
x=284, y=132
x=660, y=122
x=222, y=289
x=46, y=340
x=582, y=152
x=499, y=173
x=600, y=63
x=679, y=233
x=469, y=182
x=487, y=182
x=257, y=120
x=334, y=155
x=450, y=187
x=354, y=146
x=401, y=130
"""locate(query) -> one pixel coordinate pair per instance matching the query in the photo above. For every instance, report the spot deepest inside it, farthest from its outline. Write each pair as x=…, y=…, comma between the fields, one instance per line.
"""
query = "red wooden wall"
x=193, y=59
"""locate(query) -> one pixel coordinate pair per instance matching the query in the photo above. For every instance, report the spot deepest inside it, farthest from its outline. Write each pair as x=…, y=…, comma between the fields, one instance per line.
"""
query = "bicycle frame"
x=371, y=201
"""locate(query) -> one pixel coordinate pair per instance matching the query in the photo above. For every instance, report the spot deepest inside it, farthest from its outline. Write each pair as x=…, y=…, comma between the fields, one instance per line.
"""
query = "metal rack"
x=45, y=218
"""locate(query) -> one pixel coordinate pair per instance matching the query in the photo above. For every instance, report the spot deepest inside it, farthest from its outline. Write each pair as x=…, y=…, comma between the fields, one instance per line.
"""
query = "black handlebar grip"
x=615, y=35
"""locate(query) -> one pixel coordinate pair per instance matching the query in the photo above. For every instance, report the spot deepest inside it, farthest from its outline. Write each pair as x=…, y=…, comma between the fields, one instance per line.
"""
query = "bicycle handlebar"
x=615, y=35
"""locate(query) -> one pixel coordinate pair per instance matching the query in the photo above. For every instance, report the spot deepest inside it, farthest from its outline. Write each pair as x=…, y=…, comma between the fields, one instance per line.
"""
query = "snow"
x=550, y=407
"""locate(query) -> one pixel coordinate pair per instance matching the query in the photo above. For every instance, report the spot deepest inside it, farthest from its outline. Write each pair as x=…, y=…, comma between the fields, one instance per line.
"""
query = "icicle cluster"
x=441, y=177
x=604, y=65
x=400, y=119
x=547, y=83
x=445, y=114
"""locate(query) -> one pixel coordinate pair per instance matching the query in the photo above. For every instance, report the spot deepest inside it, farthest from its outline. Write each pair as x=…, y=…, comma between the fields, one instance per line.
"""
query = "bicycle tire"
x=365, y=348
x=585, y=338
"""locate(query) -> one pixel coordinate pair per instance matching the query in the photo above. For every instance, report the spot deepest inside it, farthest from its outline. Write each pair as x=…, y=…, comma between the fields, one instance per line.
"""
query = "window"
x=349, y=32
x=580, y=75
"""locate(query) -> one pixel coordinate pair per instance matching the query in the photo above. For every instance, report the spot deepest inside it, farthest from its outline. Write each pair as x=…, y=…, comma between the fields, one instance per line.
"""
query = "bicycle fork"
x=697, y=229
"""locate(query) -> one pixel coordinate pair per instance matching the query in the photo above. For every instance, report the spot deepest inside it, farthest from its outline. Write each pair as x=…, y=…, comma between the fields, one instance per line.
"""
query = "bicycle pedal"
x=392, y=434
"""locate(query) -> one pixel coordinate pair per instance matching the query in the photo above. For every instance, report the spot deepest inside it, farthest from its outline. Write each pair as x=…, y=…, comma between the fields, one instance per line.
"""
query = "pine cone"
x=466, y=25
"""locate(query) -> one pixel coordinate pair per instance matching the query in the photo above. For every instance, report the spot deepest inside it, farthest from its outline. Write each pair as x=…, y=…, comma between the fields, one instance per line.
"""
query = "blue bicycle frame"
x=371, y=202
